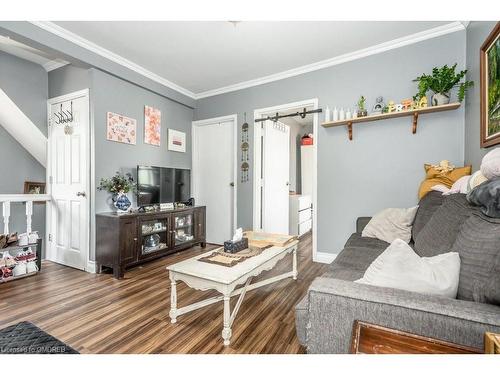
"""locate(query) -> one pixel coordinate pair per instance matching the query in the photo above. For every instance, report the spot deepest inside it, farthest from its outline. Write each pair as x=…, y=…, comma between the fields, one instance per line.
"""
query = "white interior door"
x=68, y=178
x=214, y=176
x=276, y=174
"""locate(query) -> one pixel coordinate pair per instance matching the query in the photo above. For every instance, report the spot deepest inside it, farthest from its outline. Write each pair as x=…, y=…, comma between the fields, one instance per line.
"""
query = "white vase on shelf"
x=335, y=114
x=327, y=114
x=348, y=114
x=341, y=114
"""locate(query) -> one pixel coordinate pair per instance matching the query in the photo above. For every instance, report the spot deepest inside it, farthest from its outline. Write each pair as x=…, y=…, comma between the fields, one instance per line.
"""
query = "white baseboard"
x=91, y=266
x=321, y=257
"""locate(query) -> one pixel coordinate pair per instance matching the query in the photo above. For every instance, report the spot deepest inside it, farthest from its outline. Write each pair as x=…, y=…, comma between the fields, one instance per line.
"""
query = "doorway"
x=68, y=176
x=300, y=166
x=214, y=174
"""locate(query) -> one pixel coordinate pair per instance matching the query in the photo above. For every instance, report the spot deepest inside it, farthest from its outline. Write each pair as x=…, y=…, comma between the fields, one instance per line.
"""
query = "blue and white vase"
x=121, y=202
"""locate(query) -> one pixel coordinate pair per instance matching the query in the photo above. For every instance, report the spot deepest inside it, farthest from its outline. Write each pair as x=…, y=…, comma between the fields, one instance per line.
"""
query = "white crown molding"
x=54, y=64
x=90, y=46
x=378, y=48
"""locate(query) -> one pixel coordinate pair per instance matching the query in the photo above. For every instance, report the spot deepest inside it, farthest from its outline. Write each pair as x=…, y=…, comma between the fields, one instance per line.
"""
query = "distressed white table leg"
x=173, y=299
x=226, y=331
x=294, y=260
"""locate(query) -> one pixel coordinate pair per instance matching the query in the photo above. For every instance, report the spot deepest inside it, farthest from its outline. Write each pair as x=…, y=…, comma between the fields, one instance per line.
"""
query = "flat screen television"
x=162, y=185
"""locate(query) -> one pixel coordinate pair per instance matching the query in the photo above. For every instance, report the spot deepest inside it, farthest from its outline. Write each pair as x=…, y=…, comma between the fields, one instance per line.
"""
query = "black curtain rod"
x=301, y=114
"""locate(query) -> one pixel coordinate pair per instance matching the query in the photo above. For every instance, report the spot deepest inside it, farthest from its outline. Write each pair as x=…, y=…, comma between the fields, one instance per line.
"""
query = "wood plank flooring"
x=98, y=314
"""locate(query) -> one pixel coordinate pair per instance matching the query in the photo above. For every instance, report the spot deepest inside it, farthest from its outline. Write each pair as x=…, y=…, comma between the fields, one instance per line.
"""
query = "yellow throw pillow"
x=436, y=177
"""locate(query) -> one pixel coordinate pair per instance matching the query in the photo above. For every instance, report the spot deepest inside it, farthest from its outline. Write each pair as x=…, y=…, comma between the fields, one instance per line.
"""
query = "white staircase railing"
x=7, y=199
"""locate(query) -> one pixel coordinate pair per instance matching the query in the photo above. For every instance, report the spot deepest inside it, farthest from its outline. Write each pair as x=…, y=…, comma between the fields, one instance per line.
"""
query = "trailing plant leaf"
x=442, y=81
x=118, y=183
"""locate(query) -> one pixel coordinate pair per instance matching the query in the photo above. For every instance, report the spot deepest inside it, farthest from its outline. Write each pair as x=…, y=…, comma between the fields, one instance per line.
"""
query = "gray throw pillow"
x=487, y=196
x=441, y=230
x=391, y=224
x=478, y=245
x=426, y=208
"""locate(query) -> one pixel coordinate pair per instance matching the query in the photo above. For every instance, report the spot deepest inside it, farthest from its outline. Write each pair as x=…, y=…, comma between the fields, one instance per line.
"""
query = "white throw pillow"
x=391, y=223
x=400, y=267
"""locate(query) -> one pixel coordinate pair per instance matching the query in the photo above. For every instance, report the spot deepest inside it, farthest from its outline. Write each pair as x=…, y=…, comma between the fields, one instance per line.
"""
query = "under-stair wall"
x=25, y=83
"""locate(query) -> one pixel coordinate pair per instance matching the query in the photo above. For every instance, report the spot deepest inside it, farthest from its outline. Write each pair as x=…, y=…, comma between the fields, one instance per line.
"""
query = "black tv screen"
x=162, y=185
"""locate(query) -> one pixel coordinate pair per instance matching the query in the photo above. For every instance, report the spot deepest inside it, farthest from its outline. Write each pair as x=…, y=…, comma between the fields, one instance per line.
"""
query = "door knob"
x=81, y=194
x=231, y=184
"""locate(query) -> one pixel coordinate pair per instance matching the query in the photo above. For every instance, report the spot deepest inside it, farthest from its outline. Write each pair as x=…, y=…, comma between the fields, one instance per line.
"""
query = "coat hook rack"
x=64, y=116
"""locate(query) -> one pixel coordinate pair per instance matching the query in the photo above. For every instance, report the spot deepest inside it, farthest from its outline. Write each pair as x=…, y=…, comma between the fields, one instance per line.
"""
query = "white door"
x=214, y=176
x=275, y=172
x=68, y=178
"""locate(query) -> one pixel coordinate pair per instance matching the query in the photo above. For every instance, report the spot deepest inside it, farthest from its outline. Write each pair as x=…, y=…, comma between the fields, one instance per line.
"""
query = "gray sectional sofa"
x=325, y=316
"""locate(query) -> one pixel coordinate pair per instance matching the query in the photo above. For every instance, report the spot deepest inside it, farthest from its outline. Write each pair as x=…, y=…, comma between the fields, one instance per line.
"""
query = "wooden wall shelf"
x=383, y=116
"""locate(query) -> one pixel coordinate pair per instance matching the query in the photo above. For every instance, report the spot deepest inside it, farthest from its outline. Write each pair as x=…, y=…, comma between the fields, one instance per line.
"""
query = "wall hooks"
x=64, y=116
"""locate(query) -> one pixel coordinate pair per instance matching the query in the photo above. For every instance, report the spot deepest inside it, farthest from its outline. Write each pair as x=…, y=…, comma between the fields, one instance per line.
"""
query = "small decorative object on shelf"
x=407, y=104
x=119, y=185
x=378, y=106
x=348, y=114
x=335, y=114
x=327, y=114
x=391, y=106
x=441, y=82
x=361, y=107
x=341, y=114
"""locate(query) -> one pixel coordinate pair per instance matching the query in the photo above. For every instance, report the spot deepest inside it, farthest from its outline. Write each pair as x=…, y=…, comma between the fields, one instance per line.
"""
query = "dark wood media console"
x=126, y=240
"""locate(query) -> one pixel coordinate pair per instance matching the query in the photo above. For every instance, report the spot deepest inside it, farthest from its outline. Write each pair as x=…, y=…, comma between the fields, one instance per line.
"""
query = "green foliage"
x=361, y=103
x=441, y=81
x=494, y=88
x=118, y=183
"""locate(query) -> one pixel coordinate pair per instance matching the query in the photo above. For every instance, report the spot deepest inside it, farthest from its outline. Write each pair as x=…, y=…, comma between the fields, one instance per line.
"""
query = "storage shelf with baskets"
x=383, y=116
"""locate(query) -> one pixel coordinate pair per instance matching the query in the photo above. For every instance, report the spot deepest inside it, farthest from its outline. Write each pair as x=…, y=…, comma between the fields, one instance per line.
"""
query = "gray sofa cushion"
x=478, y=244
x=426, y=208
x=356, y=240
x=352, y=262
x=440, y=232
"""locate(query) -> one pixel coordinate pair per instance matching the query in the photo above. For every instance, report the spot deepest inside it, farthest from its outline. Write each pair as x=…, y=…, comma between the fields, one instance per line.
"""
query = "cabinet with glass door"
x=154, y=236
x=183, y=227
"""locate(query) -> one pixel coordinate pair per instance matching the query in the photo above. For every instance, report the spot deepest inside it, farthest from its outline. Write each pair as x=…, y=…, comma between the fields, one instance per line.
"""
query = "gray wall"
x=26, y=84
x=68, y=79
x=383, y=165
x=477, y=32
x=111, y=94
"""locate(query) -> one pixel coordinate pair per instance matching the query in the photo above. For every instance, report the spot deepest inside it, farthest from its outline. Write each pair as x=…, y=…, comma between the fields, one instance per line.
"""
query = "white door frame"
x=194, y=155
x=90, y=183
x=257, y=163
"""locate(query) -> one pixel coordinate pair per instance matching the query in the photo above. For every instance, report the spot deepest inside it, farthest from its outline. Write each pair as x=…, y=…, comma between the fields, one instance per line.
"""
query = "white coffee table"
x=204, y=276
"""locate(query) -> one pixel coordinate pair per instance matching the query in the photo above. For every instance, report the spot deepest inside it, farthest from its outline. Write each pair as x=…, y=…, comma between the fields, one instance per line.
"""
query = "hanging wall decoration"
x=152, y=125
x=244, y=150
x=176, y=140
x=121, y=128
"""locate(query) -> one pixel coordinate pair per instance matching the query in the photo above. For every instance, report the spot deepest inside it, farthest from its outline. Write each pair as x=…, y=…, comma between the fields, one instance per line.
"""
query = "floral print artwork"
x=152, y=125
x=121, y=129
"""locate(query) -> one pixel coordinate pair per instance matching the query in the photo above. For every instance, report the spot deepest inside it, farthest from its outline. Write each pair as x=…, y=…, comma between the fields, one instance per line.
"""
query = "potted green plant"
x=119, y=185
x=440, y=82
x=361, y=107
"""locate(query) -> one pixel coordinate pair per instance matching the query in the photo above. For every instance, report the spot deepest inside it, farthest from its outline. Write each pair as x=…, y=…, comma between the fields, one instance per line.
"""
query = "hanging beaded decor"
x=245, y=146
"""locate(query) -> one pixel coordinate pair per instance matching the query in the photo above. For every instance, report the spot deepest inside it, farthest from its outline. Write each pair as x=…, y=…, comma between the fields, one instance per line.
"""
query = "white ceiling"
x=201, y=56
x=12, y=47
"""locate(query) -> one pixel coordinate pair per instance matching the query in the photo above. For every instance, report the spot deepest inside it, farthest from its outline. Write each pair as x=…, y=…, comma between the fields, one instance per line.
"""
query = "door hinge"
x=50, y=237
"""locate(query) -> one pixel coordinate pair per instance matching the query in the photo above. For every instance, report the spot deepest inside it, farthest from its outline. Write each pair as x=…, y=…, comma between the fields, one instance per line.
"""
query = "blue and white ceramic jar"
x=121, y=202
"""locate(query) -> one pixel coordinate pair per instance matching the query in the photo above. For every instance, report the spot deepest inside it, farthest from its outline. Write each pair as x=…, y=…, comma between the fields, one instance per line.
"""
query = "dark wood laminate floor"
x=98, y=314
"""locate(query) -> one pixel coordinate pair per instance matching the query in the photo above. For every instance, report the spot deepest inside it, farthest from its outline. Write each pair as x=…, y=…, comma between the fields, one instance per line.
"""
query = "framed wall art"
x=490, y=89
x=176, y=140
x=121, y=129
x=152, y=125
